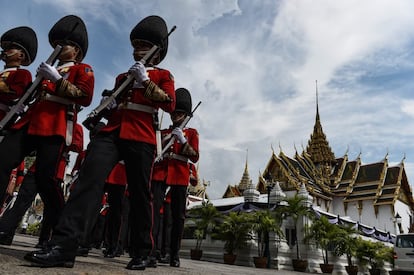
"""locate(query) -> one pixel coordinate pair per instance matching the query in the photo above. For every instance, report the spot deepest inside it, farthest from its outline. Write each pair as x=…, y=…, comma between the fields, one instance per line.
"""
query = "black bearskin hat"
x=153, y=29
x=70, y=28
x=183, y=101
x=23, y=37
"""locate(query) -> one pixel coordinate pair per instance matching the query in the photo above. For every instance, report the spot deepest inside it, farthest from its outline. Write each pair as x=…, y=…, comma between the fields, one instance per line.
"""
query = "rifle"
x=12, y=116
x=172, y=139
x=95, y=116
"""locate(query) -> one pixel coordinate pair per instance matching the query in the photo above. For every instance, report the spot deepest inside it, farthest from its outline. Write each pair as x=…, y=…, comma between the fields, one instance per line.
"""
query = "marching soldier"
x=47, y=127
x=19, y=48
x=27, y=193
x=130, y=136
x=174, y=170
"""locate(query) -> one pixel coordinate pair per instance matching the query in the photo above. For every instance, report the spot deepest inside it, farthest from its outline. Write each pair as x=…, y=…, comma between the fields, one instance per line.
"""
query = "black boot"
x=152, y=261
x=175, y=261
x=165, y=259
x=6, y=238
x=137, y=263
x=119, y=251
x=42, y=244
x=82, y=251
x=109, y=253
x=54, y=256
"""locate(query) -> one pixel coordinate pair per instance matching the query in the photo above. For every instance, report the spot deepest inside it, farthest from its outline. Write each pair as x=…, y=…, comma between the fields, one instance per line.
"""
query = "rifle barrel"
x=22, y=101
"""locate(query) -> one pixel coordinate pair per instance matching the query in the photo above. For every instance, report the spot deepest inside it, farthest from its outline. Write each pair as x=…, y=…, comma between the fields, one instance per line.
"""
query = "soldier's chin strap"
x=177, y=122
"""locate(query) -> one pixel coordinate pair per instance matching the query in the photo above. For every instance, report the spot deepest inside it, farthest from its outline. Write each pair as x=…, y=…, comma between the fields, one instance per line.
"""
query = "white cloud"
x=407, y=107
x=253, y=64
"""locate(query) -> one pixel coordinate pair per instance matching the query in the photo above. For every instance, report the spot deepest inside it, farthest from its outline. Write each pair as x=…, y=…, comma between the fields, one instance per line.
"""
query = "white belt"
x=4, y=107
x=69, y=122
x=137, y=107
x=58, y=99
x=176, y=156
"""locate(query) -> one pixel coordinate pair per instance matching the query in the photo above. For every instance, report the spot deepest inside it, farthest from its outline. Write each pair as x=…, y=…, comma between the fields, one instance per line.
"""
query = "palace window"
x=290, y=236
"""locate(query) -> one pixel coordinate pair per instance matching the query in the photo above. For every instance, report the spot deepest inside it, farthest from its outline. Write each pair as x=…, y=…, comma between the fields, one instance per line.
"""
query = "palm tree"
x=295, y=209
x=263, y=222
x=324, y=234
x=374, y=253
x=346, y=243
x=204, y=217
x=234, y=231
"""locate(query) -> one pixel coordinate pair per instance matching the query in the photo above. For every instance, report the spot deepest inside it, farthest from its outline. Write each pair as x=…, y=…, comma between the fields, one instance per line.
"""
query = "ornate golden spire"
x=245, y=180
x=318, y=146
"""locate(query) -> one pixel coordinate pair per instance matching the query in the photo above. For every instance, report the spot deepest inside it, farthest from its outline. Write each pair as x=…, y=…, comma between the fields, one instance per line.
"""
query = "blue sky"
x=254, y=64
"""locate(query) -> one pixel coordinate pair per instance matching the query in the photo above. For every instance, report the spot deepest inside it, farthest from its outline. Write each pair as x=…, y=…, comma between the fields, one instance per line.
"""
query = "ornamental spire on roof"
x=245, y=180
x=318, y=146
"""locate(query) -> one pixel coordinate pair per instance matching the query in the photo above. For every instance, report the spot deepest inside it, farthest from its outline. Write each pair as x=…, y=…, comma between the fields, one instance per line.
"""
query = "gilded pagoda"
x=375, y=193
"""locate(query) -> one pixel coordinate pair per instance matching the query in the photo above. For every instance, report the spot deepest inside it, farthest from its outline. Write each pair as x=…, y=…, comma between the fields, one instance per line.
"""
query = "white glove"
x=48, y=72
x=139, y=72
x=179, y=135
x=20, y=109
x=111, y=105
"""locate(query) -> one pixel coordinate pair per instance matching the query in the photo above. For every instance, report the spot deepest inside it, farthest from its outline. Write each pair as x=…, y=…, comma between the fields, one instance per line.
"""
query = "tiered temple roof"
x=199, y=190
x=327, y=177
x=237, y=190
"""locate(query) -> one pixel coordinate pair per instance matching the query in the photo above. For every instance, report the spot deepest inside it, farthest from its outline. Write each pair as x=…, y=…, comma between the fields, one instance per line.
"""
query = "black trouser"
x=158, y=193
x=93, y=231
x=166, y=229
x=11, y=218
x=95, y=236
x=15, y=147
x=114, y=216
x=104, y=151
x=178, y=206
x=124, y=232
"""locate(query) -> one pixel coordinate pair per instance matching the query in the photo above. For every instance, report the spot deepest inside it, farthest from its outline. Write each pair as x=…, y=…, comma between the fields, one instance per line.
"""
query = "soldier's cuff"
x=155, y=93
x=66, y=89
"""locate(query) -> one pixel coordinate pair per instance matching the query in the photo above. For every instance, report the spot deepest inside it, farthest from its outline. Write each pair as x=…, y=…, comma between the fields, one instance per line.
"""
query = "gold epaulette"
x=4, y=88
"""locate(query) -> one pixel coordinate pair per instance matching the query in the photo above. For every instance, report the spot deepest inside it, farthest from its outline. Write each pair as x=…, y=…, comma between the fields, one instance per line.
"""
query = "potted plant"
x=373, y=253
x=346, y=244
x=324, y=234
x=296, y=208
x=235, y=232
x=204, y=218
x=263, y=223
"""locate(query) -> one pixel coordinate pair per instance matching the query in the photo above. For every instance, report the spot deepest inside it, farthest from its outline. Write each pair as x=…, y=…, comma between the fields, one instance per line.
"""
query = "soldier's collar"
x=9, y=69
x=67, y=64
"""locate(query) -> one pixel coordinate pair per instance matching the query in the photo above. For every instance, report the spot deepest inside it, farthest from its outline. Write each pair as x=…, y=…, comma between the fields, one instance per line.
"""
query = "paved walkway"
x=12, y=262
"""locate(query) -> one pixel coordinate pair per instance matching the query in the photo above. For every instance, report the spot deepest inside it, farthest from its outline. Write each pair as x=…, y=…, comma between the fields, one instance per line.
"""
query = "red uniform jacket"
x=136, y=125
x=17, y=175
x=76, y=146
x=13, y=84
x=77, y=140
x=118, y=175
x=104, y=204
x=167, y=200
x=193, y=175
x=60, y=173
x=175, y=171
x=48, y=118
